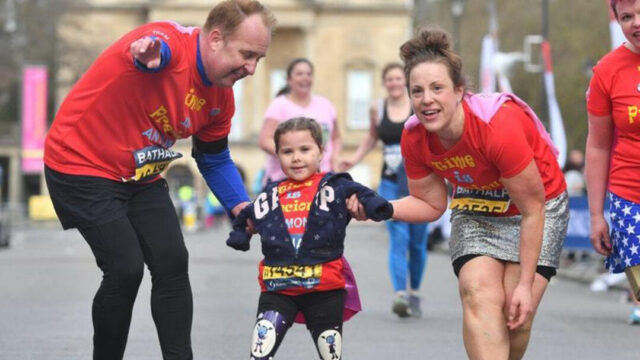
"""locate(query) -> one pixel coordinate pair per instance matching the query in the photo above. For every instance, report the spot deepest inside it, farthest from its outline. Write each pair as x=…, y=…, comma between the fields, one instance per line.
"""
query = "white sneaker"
x=400, y=306
x=634, y=318
x=414, y=306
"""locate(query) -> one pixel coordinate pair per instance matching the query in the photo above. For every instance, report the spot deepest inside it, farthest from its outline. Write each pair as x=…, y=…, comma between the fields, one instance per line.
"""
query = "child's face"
x=299, y=155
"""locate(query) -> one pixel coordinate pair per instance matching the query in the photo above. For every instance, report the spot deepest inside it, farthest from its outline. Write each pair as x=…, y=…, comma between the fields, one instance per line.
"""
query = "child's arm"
x=239, y=238
x=375, y=206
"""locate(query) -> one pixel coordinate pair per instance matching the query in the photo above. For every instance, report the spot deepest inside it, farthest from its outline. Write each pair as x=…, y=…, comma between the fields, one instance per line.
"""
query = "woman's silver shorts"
x=499, y=237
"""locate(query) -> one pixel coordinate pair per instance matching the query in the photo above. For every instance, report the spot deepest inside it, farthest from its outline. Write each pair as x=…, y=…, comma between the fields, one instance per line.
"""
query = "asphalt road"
x=48, y=278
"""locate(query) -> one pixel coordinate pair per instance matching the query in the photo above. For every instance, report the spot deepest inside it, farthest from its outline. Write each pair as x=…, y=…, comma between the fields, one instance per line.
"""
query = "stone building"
x=349, y=41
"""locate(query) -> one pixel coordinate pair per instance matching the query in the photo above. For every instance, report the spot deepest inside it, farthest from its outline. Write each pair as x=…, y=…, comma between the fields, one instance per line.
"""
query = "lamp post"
x=457, y=9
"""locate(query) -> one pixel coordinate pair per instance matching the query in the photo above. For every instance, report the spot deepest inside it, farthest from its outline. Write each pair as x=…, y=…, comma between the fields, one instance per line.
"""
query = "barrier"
x=579, y=224
x=41, y=208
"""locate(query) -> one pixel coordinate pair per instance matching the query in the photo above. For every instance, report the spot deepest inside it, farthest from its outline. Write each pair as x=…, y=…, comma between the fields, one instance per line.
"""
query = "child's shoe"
x=414, y=306
x=401, y=306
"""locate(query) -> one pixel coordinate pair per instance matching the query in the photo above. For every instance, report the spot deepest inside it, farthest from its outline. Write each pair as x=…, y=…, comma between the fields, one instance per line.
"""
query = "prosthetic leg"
x=328, y=342
x=267, y=335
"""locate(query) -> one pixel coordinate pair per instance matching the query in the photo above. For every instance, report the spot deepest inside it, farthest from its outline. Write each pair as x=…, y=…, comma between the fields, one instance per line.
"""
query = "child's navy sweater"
x=323, y=238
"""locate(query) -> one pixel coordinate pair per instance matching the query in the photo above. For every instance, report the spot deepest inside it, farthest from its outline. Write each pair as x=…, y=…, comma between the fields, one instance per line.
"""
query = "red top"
x=295, y=201
x=119, y=121
x=485, y=153
x=615, y=91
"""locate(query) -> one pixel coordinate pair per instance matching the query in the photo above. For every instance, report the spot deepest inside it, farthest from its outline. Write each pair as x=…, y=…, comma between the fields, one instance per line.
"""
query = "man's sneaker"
x=634, y=318
x=401, y=306
x=414, y=306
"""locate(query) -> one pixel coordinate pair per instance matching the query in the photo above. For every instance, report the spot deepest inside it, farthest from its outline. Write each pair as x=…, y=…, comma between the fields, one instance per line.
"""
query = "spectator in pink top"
x=296, y=100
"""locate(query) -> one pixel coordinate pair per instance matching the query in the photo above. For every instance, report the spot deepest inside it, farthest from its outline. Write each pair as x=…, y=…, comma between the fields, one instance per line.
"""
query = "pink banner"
x=34, y=117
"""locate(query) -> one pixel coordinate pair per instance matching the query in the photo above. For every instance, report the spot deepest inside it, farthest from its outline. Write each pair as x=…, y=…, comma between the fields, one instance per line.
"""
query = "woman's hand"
x=344, y=165
x=599, y=235
x=520, y=307
x=355, y=208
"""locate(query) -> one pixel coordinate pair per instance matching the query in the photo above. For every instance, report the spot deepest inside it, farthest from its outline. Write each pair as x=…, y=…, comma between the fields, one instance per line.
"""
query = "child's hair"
x=299, y=124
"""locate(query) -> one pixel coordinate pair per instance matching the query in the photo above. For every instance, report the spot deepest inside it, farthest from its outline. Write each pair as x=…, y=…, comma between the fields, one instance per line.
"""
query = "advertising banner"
x=34, y=117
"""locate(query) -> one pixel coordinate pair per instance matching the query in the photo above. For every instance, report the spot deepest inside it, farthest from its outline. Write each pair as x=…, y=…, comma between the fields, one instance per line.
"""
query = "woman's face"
x=433, y=96
x=301, y=79
x=395, y=83
x=629, y=20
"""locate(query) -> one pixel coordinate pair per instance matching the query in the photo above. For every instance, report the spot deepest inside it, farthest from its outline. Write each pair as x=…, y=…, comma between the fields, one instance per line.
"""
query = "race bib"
x=392, y=158
x=282, y=277
x=152, y=160
x=495, y=201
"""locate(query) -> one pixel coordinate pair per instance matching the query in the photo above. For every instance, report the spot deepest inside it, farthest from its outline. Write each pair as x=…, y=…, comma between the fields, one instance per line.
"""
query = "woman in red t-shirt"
x=613, y=100
x=510, y=207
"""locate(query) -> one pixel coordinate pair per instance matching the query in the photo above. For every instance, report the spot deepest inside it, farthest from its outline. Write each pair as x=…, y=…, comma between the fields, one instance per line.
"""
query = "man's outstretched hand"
x=147, y=51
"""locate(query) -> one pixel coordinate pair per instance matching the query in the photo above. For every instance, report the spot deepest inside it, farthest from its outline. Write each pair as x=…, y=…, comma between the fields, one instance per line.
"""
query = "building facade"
x=349, y=42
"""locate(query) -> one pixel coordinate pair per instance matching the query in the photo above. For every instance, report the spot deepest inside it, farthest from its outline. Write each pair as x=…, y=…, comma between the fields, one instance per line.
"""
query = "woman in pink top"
x=297, y=100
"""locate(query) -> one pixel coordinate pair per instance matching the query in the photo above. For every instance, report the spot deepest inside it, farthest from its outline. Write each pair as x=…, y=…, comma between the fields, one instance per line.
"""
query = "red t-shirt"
x=118, y=122
x=485, y=153
x=295, y=201
x=615, y=91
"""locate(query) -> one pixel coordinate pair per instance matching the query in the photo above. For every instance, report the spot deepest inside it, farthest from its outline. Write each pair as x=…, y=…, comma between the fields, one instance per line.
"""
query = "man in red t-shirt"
x=111, y=139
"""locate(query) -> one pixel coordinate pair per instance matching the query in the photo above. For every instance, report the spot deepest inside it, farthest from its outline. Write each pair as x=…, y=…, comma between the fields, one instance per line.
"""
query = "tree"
x=578, y=33
x=28, y=35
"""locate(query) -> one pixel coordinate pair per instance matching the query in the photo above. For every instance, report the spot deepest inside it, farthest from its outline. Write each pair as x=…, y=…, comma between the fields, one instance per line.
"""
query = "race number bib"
x=152, y=160
x=495, y=201
x=392, y=158
x=282, y=277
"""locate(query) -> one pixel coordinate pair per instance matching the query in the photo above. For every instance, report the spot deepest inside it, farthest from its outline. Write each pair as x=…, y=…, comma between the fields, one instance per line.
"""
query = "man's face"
x=227, y=60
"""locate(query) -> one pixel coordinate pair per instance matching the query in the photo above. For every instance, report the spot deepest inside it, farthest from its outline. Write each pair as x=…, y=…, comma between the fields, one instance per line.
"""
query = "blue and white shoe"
x=634, y=318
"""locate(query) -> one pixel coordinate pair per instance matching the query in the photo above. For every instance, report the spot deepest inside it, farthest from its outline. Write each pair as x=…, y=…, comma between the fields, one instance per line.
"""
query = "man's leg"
x=118, y=254
x=155, y=221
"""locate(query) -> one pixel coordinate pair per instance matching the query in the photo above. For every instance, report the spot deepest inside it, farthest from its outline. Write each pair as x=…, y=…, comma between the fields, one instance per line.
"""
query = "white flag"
x=556, y=124
x=487, y=71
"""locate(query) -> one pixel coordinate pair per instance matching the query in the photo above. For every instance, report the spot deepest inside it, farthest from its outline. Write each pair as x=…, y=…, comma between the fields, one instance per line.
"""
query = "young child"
x=301, y=221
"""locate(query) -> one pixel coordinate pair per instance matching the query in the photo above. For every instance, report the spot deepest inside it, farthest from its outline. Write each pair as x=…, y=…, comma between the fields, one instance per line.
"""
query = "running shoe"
x=634, y=318
x=414, y=306
x=401, y=306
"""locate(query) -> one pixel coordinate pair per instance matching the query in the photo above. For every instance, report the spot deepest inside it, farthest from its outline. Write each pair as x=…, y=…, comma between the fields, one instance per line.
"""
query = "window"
x=237, y=120
x=360, y=84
